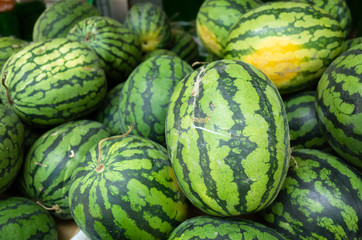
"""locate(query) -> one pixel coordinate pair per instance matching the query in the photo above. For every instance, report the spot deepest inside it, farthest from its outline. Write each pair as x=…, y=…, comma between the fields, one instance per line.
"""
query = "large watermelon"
x=228, y=138
x=60, y=17
x=11, y=146
x=52, y=159
x=216, y=17
x=210, y=227
x=146, y=94
x=291, y=42
x=118, y=48
x=21, y=218
x=321, y=199
x=126, y=189
x=53, y=81
x=339, y=105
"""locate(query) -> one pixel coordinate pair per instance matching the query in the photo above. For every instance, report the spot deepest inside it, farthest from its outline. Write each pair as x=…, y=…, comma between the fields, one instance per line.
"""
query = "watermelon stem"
x=100, y=167
x=7, y=90
x=295, y=162
x=56, y=207
x=198, y=63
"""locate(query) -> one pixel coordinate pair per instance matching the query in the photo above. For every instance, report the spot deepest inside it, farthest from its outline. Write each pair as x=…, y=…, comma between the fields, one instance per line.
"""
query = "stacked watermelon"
x=128, y=130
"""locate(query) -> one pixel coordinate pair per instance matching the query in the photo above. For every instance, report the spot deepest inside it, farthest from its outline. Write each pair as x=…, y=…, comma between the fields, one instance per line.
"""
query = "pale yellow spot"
x=209, y=39
x=151, y=40
x=277, y=57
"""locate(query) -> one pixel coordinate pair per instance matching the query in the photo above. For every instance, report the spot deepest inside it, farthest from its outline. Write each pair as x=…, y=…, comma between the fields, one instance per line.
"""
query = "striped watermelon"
x=108, y=112
x=151, y=24
x=11, y=146
x=339, y=105
x=210, y=227
x=303, y=124
x=227, y=136
x=216, y=17
x=117, y=47
x=291, y=42
x=52, y=159
x=351, y=43
x=60, y=17
x=146, y=94
x=339, y=9
x=158, y=52
x=22, y=218
x=9, y=46
x=53, y=81
x=321, y=199
x=129, y=193
x=184, y=45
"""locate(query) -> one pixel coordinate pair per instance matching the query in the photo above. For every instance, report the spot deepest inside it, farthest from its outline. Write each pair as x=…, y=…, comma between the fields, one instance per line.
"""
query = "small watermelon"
x=351, y=43
x=158, y=52
x=9, y=46
x=124, y=188
x=52, y=159
x=227, y=137
x=151, y=24
x=339, y=105
x=184, y=45
x=210, y=227
x=21, y=218
x=60, y=17
x=321, y=199
x=53, y=81
x=293, y=43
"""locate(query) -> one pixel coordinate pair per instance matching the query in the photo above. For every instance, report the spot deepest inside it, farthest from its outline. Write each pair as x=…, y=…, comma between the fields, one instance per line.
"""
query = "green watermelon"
x=210, y=227
x=146, y=94
x=151, y=24
x=21, y=218
x=126, y=189
x=118, y=48
x=108, y=112
x=60, y=17
x=11, y=146
x=9, y=46
x=227, y=137
x=339, y=9
x=184, y=45
x=158, y=52
x=351, y=43
x=303, y=124
x=291, y=42
x=339, y=105
x=53, y=81
x=52, y=159
x=216, y=17
x=321, y=199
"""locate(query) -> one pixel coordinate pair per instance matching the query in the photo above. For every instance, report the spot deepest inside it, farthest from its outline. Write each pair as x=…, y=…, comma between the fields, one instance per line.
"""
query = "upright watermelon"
x=53, y=81
x=22, y=218
x=52, y=159
x=11, y=146
x=146, y=94
x=339, y=105
x=60, y=17
x=227, y=136
x=117, y=47
x=291, y=42
x=321, y=198
x=184, y=45
x=124, y=188
x=215, y=19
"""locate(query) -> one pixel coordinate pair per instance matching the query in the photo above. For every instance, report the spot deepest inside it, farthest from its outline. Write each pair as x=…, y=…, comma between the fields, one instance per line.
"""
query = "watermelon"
x=52, y=159
x=321, y=199
x=53, y=81
x=227, y=137
x=9, y=46
x=339, y=105
x=211, y=227
x=146, y=94
x=339, y=9
x=118, y=48
x=124, y=188
x=215, y=18
x=60, y=17
x=158, y=52
x=184, y=45
x=21, y=218
x=303, y=124
x=351, y=43
x=291, y=42
x=151, y=24
x=108, y=112
x=11, y=146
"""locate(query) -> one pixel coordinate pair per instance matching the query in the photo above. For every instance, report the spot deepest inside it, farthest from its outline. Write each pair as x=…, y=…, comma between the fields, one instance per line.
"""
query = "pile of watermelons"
x=246, y=126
